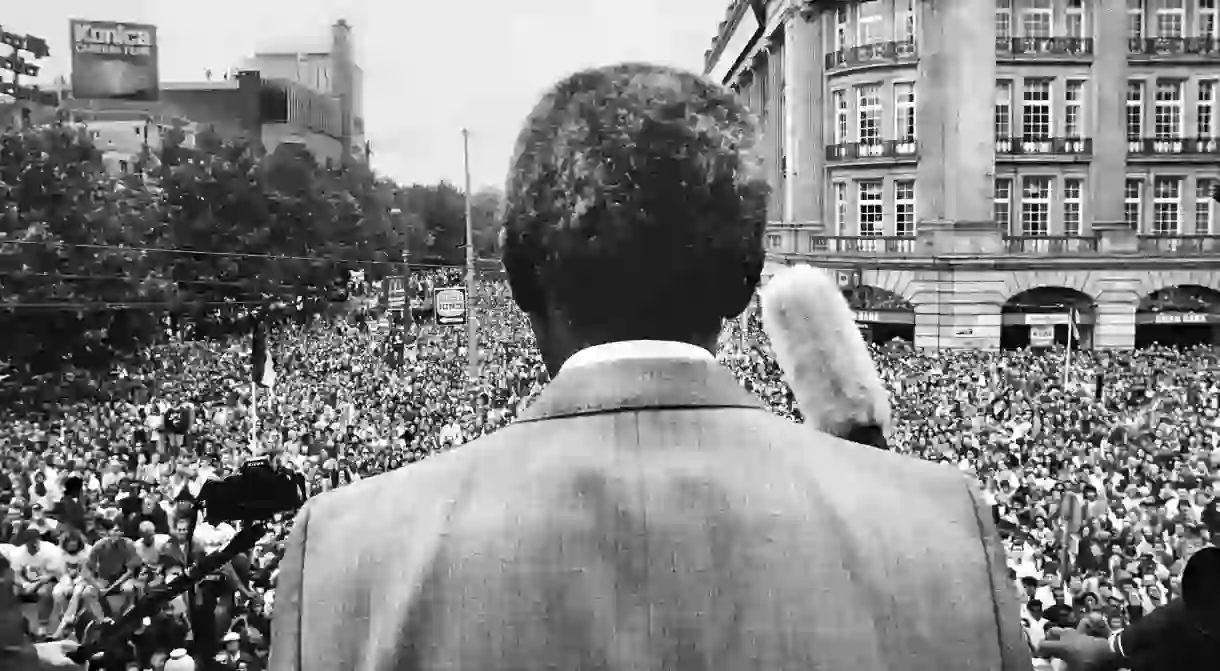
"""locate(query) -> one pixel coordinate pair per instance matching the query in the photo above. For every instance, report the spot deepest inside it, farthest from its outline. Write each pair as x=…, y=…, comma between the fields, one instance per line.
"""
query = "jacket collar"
x=637, y=384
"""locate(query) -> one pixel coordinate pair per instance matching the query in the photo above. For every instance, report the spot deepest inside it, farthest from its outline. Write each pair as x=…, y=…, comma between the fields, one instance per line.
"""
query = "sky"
x=430, y=68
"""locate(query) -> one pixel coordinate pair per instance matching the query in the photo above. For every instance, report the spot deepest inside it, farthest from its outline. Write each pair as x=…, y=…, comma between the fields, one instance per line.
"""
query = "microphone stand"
x=112, y=633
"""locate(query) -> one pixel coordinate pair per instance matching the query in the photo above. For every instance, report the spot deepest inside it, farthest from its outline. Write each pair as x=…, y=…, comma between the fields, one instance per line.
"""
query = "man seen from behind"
x=645, y=512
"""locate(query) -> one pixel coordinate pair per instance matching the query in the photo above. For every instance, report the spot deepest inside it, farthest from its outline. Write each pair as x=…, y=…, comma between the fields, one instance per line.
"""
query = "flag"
x=1072, y=324
x=262, y=368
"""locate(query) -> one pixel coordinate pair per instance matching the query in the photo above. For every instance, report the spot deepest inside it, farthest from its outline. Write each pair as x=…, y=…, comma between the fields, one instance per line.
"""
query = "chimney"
x=250, y=87
x=342, y=59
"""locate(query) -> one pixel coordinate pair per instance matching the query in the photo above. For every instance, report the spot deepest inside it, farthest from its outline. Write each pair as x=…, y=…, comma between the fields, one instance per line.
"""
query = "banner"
x=396, y=292
x=1174, y=318
x=449, y=305
x=1041, y=335
x=114, y=60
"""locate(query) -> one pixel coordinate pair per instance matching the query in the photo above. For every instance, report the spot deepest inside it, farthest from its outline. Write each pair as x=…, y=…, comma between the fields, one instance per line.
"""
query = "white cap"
x=231, y=637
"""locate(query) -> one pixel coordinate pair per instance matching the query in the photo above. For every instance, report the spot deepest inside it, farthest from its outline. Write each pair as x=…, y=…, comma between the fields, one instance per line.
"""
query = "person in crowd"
x=110, y=572
x=39, y=566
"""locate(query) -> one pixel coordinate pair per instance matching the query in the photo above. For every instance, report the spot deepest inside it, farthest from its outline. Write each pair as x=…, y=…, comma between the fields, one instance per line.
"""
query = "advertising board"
x=114, y=60
x=450, y=306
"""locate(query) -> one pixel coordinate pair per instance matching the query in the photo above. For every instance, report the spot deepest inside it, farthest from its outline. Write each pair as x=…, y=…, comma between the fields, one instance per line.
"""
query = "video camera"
x=253, y=495
x=257, y=491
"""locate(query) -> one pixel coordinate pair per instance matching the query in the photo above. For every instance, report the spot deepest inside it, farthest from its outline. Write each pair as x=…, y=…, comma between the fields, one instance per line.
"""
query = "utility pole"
x=472, y=327
x=20, y=67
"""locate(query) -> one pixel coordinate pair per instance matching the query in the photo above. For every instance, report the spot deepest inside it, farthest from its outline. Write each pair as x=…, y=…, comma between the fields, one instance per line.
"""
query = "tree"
x=485, y=209
x=280, y=230
x=69, y=296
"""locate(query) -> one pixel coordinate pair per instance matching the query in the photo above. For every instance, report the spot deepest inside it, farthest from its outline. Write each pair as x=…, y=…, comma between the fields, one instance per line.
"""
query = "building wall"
x=1096, y=199
x=902, y=45
x=327, y=150
x=313, y=70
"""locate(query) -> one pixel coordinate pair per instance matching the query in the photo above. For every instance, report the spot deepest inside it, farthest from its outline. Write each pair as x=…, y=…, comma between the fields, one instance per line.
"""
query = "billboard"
x=114, y=60
x=450, y=306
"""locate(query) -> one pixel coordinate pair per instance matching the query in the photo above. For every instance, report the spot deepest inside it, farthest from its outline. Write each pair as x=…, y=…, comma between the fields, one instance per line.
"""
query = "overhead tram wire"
x=118, y=306
x=236, y=255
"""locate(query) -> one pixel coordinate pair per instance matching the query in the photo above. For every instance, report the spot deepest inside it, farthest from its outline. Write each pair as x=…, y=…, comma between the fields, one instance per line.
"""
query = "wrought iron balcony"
x=1148, y=146
x=1180, y=245
x=872, y=54
x=850, y=151
x=1054, y=146
x=1053, y=47
x=1050, y=245
x=893, y=245
x=1201, y=47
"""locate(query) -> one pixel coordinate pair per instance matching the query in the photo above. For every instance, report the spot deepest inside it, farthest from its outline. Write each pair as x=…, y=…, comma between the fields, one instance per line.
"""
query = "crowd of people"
x=1101, y=488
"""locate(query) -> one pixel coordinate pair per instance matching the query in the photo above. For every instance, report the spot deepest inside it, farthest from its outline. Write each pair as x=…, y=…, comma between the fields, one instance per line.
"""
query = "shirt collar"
x=624, y=350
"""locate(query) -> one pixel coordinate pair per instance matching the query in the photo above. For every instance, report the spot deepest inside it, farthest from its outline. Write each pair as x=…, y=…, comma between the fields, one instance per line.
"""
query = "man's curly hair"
x=635, y=204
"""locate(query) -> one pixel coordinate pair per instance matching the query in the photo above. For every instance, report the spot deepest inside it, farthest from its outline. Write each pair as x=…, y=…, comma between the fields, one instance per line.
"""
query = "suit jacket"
x=649, y=514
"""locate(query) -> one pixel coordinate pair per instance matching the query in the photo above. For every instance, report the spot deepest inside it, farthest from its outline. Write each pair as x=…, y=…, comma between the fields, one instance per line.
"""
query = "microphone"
x=824, y=359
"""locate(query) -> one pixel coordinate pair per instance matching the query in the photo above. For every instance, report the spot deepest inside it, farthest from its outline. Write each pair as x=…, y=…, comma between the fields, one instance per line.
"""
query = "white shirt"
x=47, y=561
x=625, y=350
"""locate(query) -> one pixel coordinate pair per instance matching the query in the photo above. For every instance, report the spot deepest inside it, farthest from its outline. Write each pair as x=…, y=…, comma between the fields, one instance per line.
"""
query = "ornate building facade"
x=998, y=168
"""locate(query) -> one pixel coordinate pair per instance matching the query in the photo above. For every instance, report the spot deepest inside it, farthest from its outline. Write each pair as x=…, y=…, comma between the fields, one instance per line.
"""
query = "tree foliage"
x=93, y=265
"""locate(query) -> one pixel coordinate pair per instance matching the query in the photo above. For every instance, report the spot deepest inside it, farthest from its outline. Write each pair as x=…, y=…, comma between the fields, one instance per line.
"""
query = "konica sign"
x=113, y=60
x=450, y=306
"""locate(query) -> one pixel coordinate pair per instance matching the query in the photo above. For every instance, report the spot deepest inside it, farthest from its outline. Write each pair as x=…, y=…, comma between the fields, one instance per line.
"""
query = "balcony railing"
x=872, y=54
x=1059, y=146
x=1207, y=47
x=1180, y=245
x=850, y=244
x=1044, y=46
x=1149, y=146
x=849, y=151
x=1050, y=245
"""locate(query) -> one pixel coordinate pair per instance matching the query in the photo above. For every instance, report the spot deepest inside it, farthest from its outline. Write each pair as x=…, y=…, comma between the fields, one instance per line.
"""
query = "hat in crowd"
x=179, y=661
x=231, y=637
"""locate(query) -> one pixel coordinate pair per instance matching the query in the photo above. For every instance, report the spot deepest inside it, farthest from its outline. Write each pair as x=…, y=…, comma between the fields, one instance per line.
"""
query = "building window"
x=906, y=21
x=1073, y=205
x=1036, y=109
x=1205, y=109
x=1035, y=206
x=1001, y=203
x=904, y=111
x=840, y=208
x=1073, y=109
x=1207, y=19
x=1167, y=206
x=841, y=116
x=774, y=240
x=1003, y=110
x=1037, y=18
x=1205, y=206
x=1135, y=19
x=1170, y=18
x=1003, y=19
x=904, y=208
x=123, y=167
x=1167, y=115
x=842, y=34
x=1135, y=109
x=871, y=220
x=1074, y=19
x=1133, y=202
x=870, y=22
x=868, y=110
